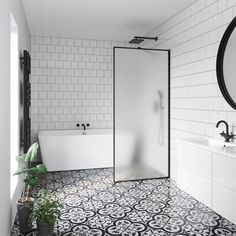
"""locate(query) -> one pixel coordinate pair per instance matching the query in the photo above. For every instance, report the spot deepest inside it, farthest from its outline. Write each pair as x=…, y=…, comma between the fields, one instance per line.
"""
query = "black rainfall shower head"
x=136, y=41
x=140, y=39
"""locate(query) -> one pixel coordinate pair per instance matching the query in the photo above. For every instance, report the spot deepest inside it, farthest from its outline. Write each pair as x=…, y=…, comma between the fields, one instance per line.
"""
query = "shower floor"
x=95, y=206
x=136, y=173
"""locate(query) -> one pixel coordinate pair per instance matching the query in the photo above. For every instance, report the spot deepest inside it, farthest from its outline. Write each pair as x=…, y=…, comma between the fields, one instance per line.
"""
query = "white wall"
x=193, y=36
x=14, y=6
x=71, y=83
x=4, y=119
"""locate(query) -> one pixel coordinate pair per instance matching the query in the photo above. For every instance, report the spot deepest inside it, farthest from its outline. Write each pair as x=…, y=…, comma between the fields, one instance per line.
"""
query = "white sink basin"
x=212, y=143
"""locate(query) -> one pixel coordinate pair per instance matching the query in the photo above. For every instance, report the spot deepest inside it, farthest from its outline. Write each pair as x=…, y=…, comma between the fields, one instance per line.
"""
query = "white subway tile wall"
x=193, y=35
x=72, y=82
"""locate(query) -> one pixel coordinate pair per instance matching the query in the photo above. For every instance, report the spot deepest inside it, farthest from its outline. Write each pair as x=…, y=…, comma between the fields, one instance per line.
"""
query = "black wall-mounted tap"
x=226, y=135
x=85, y=125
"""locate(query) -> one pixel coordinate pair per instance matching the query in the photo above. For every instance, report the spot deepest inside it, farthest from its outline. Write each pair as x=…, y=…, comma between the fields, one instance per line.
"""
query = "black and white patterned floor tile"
x=94, y=206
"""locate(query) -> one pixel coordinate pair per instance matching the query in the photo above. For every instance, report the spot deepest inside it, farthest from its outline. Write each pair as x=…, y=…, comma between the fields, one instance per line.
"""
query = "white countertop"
x=213, y=145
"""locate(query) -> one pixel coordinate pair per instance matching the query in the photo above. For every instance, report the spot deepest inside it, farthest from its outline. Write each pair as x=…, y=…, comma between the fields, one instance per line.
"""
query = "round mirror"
x=226, y=64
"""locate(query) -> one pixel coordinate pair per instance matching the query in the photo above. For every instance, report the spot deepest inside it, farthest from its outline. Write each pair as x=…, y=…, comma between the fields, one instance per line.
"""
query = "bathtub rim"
x=74, y=132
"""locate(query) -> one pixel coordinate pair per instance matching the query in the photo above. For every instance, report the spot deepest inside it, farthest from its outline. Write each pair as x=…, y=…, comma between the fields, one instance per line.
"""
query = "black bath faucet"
x=85, y=125
x=226, y=135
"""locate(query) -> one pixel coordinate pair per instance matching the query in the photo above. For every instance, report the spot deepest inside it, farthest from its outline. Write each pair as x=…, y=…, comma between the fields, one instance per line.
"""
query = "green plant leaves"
x=21, y=170
x=20, y=158
x=30, y=173
x=47, y=208
x=31, y=180
x=32, y=152
x=30, y=155
x=39, y=169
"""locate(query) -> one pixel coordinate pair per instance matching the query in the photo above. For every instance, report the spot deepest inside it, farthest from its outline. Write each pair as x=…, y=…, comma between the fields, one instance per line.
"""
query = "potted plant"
x=45, y=212
x=25, y=202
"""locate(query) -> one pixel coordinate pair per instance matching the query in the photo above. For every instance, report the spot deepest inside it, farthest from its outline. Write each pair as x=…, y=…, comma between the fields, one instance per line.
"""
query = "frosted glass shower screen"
x=141, y=113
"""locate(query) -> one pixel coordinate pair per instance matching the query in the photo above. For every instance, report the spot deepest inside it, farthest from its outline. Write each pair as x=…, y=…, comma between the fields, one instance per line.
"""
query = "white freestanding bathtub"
x=73, y=149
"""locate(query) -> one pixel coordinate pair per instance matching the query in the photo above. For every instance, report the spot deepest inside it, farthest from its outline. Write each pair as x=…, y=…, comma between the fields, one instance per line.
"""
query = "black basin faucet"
x=226, y=135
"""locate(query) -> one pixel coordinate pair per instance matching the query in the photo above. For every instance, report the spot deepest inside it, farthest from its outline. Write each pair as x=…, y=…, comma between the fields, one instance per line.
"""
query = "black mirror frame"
x=220, y=61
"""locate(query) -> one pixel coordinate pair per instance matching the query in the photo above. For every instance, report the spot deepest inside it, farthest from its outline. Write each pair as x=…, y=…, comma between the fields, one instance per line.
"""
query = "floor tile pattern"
x=94, y=206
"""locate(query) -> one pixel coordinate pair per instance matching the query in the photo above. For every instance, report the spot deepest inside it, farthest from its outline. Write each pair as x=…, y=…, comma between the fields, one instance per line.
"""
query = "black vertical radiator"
x=26, y=128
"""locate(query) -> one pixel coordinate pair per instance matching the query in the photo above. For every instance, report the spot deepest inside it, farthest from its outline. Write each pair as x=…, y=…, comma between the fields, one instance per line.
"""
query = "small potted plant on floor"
x=25, y=202
x=45, y=212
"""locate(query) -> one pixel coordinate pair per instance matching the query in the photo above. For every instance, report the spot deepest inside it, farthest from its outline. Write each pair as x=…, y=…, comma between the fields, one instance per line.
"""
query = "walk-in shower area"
x=141, y=113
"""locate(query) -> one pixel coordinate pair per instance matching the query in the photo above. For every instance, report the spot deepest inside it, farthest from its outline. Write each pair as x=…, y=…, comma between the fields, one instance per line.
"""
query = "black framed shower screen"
x=141, y=113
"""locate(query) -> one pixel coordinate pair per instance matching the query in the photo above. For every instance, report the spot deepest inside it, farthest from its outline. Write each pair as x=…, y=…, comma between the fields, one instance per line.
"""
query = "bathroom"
x=132, y=106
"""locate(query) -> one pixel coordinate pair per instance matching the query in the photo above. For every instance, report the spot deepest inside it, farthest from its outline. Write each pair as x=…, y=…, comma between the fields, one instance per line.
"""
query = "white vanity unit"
x=207, y=171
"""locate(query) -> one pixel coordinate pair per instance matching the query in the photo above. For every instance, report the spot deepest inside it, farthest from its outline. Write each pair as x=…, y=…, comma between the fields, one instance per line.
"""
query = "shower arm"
x=143, y=37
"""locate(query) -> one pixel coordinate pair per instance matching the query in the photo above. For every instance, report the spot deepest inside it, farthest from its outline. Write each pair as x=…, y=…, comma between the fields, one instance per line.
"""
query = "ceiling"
x=117, y=20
